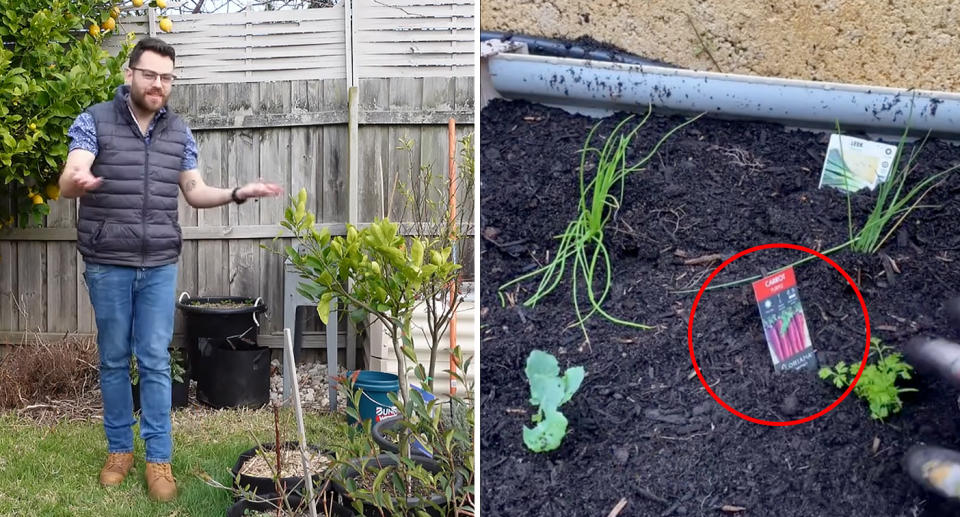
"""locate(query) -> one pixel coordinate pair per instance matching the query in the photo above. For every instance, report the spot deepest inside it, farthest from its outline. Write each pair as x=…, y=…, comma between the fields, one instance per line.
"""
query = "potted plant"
x=375, y=269
x=385, y=275
x=221, y=335
x=294, y=504
x=263, y=469
x=394, y=484
x=179, y=392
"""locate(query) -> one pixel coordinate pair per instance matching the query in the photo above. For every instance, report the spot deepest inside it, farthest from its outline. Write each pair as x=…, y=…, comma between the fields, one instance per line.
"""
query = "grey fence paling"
x=293, y=132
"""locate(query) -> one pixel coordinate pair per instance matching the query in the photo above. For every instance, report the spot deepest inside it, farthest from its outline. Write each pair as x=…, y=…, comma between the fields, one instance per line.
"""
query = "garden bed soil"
x=641, y=428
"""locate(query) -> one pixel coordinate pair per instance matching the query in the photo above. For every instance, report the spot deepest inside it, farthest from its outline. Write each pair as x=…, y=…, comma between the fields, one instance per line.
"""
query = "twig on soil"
x=705, y=259
x=35, y=406
x=651, y=496
x=503, y=244
x=618, y=508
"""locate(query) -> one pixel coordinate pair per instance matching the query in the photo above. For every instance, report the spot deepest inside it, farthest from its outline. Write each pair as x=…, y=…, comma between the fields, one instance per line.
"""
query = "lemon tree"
x=52, y=66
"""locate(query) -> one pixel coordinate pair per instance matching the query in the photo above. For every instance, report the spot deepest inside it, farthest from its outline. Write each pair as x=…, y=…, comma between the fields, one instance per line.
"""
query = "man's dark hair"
x=153, y=45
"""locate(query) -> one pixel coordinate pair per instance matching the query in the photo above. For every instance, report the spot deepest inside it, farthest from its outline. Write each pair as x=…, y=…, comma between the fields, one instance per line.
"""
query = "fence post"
x=353, y=193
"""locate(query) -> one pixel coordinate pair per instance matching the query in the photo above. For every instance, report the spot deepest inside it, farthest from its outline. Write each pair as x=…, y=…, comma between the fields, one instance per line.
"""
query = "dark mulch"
x=640, y=427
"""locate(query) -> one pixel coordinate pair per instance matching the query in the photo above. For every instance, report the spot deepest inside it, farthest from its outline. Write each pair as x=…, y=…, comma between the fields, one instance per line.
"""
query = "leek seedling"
x=582, y=241
x=892, y=203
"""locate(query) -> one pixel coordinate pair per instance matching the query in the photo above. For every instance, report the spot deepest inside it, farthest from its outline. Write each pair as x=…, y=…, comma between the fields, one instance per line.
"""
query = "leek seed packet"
x=854, y=163
x=784, y=324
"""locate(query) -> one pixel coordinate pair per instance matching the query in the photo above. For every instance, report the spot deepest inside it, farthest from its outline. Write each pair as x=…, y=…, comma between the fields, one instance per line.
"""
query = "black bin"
x=231, y=370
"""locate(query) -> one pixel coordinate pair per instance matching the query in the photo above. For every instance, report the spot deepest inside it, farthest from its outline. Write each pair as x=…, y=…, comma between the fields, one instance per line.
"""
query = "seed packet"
x=854, y=163
x=784, y=324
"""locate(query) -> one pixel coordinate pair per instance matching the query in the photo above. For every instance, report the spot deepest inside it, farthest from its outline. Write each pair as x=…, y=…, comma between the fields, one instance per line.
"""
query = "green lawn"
x=52, y=470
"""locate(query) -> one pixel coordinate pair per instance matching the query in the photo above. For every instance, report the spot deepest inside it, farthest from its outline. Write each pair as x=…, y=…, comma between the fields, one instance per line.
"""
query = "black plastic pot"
x=230, y=369
x=179, y=392
x=234, y=378
x=233, y=328
x=266, y=485
x=179, y=395
x=386, y=444
x=387, y=460
x=294, y=500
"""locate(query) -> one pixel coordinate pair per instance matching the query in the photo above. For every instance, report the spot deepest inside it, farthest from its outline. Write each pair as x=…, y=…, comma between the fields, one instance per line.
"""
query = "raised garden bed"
x=641, y=428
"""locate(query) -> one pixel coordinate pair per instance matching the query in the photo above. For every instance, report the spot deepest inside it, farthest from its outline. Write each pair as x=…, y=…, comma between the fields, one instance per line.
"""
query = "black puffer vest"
x=131, y=219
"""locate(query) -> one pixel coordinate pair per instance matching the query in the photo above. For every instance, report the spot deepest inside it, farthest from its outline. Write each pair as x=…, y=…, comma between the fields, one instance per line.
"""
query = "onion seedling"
x=582, y=241
x=892, y=204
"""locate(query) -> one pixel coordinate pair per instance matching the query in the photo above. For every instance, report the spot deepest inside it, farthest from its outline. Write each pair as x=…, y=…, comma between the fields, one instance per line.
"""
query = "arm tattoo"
x=192, y=184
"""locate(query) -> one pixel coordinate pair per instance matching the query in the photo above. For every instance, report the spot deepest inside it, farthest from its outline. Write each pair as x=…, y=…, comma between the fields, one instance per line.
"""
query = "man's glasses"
x=151, y=76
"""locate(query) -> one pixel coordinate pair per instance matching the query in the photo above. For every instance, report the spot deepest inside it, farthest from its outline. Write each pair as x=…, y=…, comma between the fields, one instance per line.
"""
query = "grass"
x=52, y=470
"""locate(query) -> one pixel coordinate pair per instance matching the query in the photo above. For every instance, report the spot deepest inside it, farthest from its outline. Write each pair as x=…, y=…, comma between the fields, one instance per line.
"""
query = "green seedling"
x=582, y=243
x=878, y=383
x=894, y=203
x=548, y=391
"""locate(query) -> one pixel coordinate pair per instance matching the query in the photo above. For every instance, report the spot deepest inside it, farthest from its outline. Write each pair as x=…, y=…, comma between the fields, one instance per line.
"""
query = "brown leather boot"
x=116, y=468
x=160, y=483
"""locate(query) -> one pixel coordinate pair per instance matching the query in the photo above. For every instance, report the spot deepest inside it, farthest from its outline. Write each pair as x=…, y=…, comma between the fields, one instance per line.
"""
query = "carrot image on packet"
x=784, y=325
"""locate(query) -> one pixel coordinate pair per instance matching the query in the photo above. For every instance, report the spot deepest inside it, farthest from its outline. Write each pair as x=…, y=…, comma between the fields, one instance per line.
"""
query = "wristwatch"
x=237, y=200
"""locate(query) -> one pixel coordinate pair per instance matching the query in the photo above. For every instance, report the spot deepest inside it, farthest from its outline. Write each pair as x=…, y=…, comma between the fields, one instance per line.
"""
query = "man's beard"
x=140, y=100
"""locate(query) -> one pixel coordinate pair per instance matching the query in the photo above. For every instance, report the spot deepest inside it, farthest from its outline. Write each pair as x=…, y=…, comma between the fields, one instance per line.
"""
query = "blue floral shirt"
x=83, y=134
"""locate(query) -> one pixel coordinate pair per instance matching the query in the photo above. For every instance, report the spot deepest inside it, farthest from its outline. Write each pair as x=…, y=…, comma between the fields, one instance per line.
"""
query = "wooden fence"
x=295, y=131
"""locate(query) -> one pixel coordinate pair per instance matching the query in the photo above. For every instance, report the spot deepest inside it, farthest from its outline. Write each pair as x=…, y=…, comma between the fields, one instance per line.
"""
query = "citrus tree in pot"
x=385, y=275
x=388, y=272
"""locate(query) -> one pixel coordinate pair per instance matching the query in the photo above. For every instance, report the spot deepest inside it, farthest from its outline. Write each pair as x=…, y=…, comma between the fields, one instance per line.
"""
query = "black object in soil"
x=230, y=369
x=325, y=505
x=416, y=505
x=265, y=485
x=383, y=430
x=179, y=395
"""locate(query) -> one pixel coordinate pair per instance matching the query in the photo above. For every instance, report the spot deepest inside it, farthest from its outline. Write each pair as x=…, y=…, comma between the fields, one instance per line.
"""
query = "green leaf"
x=323, y=307
x=547, y=435
x=409, y=352
x=416, y=252
x=572, y=378
x=542, y=363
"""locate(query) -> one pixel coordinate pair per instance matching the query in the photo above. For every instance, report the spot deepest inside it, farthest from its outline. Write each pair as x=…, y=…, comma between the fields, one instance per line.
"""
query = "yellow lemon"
x=137, y=3
x=32, y=126
x=166, y=25
x=37, y=199
x=115, y=12
x=53, y=191
x=109, y=24
x=162, y=4
x=94, y=30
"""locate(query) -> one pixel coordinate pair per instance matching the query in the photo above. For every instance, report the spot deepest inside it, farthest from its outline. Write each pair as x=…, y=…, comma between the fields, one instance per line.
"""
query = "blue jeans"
x=134, y=308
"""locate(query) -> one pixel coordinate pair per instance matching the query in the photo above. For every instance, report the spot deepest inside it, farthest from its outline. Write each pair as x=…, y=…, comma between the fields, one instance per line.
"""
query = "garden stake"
x=298, y=409
x=452, y=199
